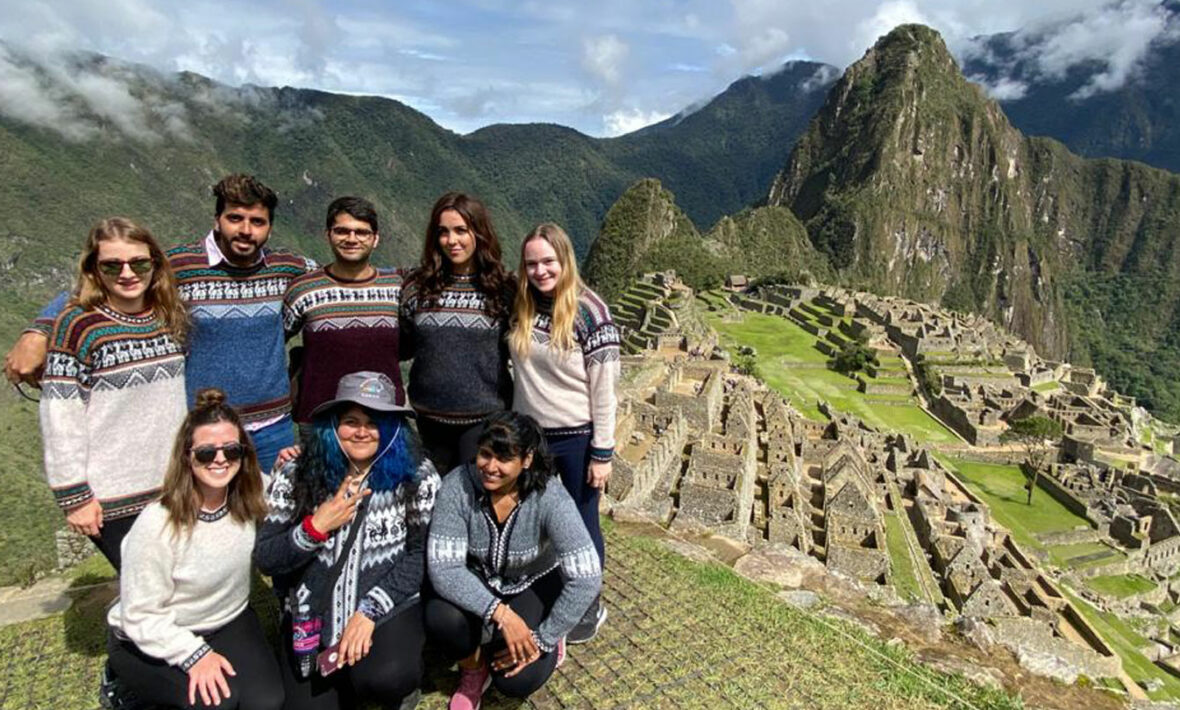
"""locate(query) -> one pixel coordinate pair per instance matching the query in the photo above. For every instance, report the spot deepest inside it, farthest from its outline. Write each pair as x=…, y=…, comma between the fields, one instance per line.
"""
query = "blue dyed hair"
x=322, y=467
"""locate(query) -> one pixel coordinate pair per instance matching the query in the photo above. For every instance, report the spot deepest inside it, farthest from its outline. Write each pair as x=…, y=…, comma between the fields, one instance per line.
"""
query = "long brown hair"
x=180, y=496
x=162, y=295
x=565, y=295
x=434, y=271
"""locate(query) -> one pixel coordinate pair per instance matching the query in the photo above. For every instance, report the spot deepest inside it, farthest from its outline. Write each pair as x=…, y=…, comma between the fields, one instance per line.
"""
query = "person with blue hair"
x=344, y=540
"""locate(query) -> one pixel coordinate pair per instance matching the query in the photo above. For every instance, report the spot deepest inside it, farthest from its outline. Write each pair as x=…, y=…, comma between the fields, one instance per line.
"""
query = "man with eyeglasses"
x=233, y=285
x=346, y=311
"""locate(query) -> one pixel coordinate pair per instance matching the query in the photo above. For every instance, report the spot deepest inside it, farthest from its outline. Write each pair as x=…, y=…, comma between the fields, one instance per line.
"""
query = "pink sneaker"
x=472, y=684
x=560, y=652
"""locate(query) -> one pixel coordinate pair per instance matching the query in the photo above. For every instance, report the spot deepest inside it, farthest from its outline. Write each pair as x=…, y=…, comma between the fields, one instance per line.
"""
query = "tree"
x=1036, y=434
x=853, y=356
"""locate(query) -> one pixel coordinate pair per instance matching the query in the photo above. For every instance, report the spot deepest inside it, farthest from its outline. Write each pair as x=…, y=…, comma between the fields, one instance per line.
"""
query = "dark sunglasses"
x=206, y=454
x=114, y=267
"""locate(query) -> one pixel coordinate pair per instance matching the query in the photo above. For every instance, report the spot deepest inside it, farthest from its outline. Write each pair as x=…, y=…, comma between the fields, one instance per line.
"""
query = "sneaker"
x=586, y=629
x=472, y=684
x=114, y=695
x=411, y=701
x=560, y=652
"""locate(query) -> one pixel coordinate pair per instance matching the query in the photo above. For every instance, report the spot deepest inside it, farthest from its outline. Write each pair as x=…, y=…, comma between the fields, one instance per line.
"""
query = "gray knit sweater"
x=474, y=563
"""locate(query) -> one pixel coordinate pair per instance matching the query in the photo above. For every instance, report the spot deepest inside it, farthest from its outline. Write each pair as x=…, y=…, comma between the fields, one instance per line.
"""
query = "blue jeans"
x=270, y=440
x=571, y=456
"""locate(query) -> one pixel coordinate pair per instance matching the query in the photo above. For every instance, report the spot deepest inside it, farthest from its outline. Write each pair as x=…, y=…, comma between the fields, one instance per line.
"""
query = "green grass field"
x=905, y=568
x=1002, y=488
x=788, y=362
x=1120, y=585
x=1126, y=642
x=1083, y=555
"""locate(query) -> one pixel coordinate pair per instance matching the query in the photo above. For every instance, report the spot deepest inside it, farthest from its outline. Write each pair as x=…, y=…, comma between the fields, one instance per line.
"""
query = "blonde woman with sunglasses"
x=113, y=391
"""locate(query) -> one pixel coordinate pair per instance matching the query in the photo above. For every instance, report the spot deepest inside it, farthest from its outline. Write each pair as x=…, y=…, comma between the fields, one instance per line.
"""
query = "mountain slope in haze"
x=910, y=181
x=1138, y=120
x=156, y=161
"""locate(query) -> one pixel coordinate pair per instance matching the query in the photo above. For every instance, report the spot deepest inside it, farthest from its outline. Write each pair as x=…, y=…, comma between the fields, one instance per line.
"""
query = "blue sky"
x=602, y=66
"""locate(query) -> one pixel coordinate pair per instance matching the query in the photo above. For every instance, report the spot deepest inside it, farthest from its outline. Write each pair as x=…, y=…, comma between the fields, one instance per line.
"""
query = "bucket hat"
x=372, y=390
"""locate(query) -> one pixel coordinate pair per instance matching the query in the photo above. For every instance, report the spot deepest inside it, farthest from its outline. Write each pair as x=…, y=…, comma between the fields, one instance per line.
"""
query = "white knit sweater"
x=174, y=587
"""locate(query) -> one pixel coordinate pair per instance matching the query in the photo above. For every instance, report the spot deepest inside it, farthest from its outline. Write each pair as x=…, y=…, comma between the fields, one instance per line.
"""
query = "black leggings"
x=391, y=671
x=110, y=538
x=255, y=686
x=448, y=445
x=457, y=633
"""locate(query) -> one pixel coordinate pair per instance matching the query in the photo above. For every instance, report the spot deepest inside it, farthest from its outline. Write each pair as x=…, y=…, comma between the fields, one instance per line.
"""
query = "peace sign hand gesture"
x=333, y=513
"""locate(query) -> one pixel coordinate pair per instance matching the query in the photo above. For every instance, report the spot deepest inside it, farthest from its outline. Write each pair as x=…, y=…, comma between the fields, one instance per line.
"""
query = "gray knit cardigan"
x=474, y=563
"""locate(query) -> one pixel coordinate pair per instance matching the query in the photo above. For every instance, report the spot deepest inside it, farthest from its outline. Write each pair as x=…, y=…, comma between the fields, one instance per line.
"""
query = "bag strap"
x=329, y=580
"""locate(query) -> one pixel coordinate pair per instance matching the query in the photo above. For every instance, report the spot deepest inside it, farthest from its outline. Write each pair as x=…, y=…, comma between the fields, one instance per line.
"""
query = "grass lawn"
x=788, y=363
x=1002, y=488
x=1083, y=555
x=1126, y=643
x=1120, y=585
x=31, y=517
x=905, y=568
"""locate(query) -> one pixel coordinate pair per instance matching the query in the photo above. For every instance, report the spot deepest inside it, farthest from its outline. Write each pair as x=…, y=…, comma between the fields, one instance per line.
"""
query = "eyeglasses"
x=345, y=231
x=206, y=454
x=114, y=267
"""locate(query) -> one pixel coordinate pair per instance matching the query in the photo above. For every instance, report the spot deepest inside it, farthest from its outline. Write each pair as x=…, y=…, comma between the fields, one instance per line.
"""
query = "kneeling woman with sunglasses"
x=344, y=540
x=182, y=633
x=113, y=394
x=512, y=562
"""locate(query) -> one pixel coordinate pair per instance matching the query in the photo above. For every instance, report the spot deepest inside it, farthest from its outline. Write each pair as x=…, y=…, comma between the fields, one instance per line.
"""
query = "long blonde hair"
x=162, y=295
x=180, y=496
x=565, y=295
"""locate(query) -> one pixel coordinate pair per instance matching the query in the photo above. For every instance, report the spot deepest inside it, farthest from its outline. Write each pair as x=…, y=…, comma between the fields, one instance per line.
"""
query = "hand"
x=357, y=639
x=520, y=649
x=26, y=361
x=598, y=474
x=287, y=455
x=86, y=518
x=208, y=677
x=333, y=513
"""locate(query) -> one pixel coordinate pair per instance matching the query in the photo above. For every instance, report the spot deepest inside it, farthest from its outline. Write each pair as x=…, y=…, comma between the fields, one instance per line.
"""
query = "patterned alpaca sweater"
x=236, y=341
x=384, y=565
x=347, y=326
x=112, y=400
x=474, y=563
x=574, y=390
x=460, y=370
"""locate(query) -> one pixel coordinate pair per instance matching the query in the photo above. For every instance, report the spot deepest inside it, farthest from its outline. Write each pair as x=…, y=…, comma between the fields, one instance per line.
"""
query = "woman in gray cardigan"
x=511, y=563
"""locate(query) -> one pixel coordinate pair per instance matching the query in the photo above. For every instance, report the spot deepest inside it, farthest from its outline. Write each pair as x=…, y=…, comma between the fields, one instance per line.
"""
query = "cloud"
x=1003, y=89
x=79, y=97
x=603, y=58
x=629, y=120
x=821, y=79
x=1110, y=43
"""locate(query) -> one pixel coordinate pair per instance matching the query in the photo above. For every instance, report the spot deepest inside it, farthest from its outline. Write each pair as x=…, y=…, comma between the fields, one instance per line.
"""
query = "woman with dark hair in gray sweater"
x=511, y=562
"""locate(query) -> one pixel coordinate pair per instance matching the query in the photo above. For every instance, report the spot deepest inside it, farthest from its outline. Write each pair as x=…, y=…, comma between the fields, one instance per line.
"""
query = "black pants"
x=457, y=633
x=448, y=445
x=571, y=455
x=256, y=684
x=110, y=538
x=391, y=671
